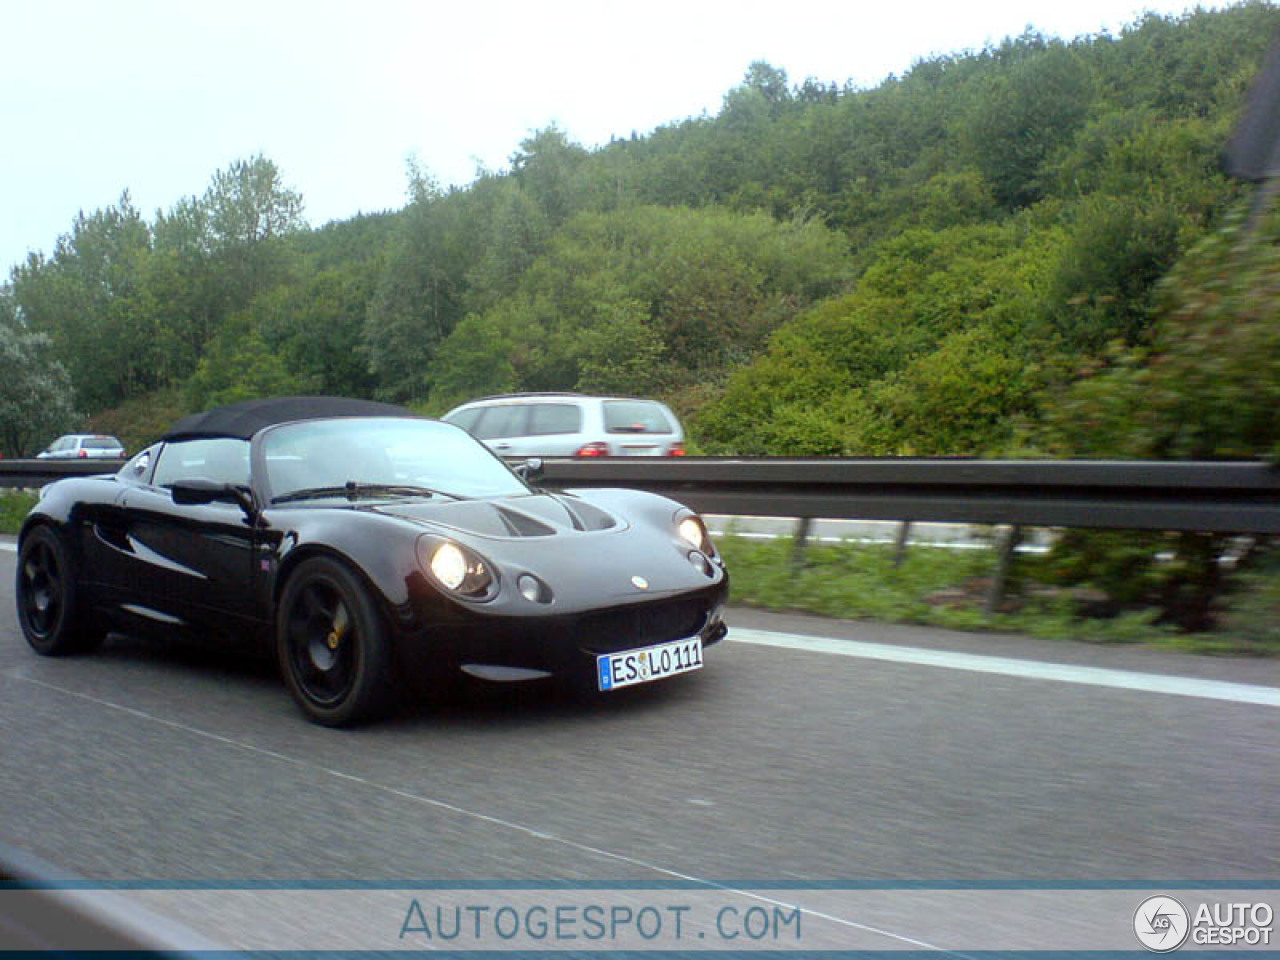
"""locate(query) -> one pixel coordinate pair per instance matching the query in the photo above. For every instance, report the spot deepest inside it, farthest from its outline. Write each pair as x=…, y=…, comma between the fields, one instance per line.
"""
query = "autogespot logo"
x=1161, y=924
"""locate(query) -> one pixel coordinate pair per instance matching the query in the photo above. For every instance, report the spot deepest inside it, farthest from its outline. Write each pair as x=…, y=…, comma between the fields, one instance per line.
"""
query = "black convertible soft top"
x=243, y=420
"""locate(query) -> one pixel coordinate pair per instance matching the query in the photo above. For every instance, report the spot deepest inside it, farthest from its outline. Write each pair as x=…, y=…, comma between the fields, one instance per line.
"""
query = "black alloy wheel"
x=332, y=644
x=47, y=592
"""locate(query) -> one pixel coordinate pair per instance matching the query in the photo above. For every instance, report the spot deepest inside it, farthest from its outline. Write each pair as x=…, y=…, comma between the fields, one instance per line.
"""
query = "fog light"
x=701, y=562
x=533, y=590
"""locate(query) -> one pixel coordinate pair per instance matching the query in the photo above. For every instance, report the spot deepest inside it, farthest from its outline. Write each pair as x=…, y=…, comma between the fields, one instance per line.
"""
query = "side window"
x=549, y=418
x=466, y=419
x=139, y=467
x=223, y=460
x=506, y=420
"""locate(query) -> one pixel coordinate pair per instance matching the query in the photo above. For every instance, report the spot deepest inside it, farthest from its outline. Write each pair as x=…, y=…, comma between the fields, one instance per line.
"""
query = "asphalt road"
x=143, y=762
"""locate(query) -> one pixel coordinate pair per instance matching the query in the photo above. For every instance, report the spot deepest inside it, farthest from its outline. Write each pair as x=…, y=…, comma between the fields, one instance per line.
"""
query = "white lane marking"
x=483, y=817
x=11, y=547
x=1008, y=667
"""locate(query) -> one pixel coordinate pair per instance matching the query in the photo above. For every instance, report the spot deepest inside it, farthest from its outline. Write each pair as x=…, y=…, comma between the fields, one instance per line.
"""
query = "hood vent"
x=585, y=516
x=539, y=515
x=522, y=525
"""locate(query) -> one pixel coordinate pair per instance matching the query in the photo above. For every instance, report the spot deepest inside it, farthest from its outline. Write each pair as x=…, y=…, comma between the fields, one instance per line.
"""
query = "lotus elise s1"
x=356, y=537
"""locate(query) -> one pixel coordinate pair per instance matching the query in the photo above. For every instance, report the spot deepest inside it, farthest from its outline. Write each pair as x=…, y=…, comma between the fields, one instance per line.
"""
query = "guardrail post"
x=900, y=544
x=800, y=543
x=1008, y=545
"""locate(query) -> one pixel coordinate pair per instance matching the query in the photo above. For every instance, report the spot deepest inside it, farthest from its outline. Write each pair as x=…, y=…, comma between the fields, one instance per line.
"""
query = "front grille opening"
x=642, y=625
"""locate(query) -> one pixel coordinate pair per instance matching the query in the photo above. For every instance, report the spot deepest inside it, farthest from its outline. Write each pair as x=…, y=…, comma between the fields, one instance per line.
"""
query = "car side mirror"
x=531, y=469
x=197, y=491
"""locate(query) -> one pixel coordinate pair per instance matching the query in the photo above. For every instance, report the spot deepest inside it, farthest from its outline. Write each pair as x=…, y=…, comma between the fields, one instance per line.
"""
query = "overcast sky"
x=155, y=95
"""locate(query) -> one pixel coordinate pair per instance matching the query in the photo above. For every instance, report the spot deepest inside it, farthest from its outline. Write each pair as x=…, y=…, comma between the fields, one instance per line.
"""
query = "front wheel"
x=332, y=644
x=49, y=610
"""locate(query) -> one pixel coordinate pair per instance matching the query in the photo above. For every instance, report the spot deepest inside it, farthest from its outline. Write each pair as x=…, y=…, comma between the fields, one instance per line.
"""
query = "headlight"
x=692, y=532
x=456, y=568
x=449, y=564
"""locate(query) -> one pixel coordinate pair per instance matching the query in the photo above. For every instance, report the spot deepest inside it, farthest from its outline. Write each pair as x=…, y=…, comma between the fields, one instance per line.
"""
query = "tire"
x=47, y=590
x=332, y=644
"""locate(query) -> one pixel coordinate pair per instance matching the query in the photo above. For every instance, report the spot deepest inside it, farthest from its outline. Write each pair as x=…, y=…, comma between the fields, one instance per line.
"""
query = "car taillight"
x=596, y=449
x=675, y=450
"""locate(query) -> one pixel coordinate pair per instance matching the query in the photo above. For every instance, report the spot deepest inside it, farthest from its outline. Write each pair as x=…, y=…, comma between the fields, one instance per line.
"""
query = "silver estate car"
x=83, y=445
x=571, y=425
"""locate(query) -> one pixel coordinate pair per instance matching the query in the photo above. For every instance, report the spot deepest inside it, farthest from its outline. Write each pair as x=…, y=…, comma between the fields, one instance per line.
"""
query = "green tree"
x=249, y=213
x=546, y=168
x=702, y=288
x=239, y=365
x=248, y=204
x=620, y=353
x=91, y=300
x=315, y=326
x=965, y=397
x=1026, y=113
x=930, y=354
x=36, y=403
x=422, y=291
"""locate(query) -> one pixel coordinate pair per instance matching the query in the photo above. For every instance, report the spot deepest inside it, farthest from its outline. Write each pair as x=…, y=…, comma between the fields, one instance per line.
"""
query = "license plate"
x=648, y=663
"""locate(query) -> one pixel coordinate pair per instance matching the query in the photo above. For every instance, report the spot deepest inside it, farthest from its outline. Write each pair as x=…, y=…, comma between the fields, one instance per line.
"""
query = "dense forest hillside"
x=983, y=256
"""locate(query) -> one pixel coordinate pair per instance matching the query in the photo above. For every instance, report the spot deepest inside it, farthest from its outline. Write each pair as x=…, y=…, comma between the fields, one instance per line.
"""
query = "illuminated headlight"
x=457, y=569
x=693, y=533
x=449, y=564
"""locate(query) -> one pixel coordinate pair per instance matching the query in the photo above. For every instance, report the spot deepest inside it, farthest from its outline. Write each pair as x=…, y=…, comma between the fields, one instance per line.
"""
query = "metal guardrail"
x=36, y=473
x=1128, y=495
x=1124, y=495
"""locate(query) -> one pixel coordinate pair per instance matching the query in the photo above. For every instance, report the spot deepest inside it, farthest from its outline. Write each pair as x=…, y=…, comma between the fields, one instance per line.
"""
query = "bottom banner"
x=960, y=920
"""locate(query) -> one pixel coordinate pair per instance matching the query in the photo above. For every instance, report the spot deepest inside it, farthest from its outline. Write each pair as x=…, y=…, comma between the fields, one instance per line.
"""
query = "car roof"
x=516, y=398
x=242, y=420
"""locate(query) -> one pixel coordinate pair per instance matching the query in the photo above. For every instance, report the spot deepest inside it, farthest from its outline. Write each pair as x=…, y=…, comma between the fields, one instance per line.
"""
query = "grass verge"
x=948, y=588
x=14, y=507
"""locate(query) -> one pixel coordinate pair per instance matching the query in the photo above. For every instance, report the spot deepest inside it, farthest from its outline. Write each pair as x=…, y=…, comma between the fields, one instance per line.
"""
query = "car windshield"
x=383, y=457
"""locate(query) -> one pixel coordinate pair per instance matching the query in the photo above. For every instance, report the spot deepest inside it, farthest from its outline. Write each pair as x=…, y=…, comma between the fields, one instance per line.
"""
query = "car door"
x=555, y=429
x=190, y=563
x=502, y=429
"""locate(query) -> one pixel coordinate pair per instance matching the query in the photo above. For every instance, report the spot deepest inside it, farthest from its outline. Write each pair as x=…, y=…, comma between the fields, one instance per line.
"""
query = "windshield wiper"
x=354, y=491
x=310, y=493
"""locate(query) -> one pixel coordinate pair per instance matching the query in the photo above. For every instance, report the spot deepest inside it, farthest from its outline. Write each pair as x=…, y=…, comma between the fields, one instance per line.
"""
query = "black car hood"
x=533, y=515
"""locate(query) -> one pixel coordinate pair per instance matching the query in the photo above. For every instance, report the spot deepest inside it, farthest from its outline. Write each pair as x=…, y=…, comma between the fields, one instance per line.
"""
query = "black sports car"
x=357, y=537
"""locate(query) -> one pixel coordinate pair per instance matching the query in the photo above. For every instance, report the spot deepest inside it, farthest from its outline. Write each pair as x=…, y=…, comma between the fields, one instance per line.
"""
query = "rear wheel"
x=50, y=613
x=332, y=644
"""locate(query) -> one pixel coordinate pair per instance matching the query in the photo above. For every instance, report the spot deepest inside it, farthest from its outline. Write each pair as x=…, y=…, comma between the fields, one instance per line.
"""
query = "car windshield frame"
x=366, y=459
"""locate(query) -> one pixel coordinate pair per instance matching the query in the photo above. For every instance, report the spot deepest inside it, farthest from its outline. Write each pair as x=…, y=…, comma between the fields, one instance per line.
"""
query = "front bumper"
x=567, y=644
